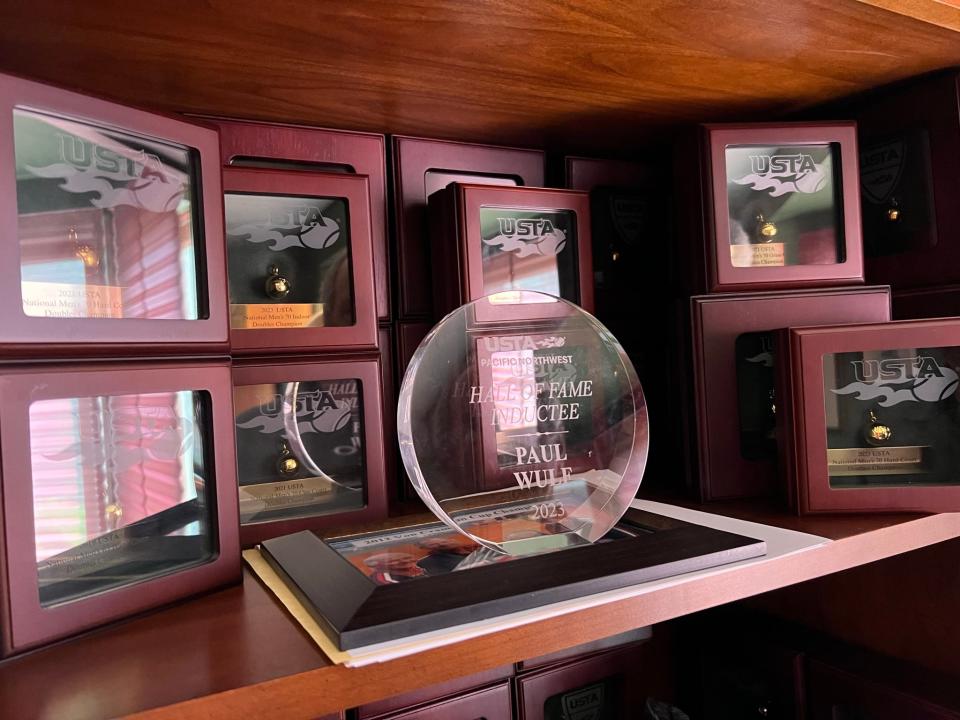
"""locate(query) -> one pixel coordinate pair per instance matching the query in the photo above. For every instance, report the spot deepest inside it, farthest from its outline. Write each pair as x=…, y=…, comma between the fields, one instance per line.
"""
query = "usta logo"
x=782, y=174
x=305, y=227
x=898, y=380
x=317, y=411
x=514, y=343
x=528, y=236
x=135, y=177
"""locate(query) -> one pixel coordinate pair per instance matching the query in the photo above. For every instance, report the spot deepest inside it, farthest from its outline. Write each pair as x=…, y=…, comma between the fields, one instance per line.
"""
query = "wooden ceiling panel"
x=591, y=74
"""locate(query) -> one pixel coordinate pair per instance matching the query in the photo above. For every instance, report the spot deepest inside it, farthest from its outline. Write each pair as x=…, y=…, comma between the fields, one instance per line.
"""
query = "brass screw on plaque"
x=615, y=255
x=114, y=511
x=276, y=286
x=878, y=433
x=893, y=212
x=767, y=229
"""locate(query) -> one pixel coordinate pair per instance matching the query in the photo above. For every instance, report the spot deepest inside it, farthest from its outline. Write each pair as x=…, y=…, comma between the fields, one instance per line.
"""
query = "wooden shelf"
x=590, y=76
x=236, y=653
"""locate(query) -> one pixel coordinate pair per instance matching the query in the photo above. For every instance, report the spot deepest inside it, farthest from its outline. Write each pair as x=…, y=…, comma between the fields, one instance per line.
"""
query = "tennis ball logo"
x=935, y=388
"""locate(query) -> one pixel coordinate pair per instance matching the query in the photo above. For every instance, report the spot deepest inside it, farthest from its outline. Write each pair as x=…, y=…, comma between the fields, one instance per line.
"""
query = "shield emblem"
x=880, y=169
x=583, y=704
x=628, y=213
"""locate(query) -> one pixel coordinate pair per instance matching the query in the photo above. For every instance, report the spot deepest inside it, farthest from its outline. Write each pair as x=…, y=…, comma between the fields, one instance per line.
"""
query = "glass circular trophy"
x=522, y=424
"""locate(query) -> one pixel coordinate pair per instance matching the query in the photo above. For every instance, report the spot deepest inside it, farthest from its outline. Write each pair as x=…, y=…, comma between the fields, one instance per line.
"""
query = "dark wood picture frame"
x=456, y=244
x=280, y=146
x=367, y=371
x=25, y=623
x=23, y=336
x=708, y=244
x=801, y=426
x=717, y=321
x=356, y=611
x=354, y=191
x=414, y=159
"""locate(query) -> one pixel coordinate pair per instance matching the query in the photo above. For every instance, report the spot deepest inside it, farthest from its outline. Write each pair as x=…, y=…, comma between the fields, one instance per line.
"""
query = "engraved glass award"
x=525, y=435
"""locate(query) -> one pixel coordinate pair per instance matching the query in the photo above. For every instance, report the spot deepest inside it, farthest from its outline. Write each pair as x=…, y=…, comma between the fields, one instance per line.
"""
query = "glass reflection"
x=785, y=205
x=289, y=261
x=106, y=222
x=120, y=489
x=892, y=417
x=529, y=250
x=300, y=449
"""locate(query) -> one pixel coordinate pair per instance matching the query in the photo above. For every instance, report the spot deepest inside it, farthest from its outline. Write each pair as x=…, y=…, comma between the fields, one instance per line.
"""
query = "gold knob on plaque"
x=766, y=229
x=878, y=433
x=893, y=212
x=87, y=255
x=287, y=464
x=114, y=511
x=276, y=285
x=615, y=255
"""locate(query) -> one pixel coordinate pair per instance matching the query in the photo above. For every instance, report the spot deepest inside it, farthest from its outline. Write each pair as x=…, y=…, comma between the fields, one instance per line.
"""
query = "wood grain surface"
x=236, y=653
x=585, y=75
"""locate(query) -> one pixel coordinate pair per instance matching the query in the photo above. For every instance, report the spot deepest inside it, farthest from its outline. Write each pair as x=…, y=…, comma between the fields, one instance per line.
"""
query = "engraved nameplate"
x=51, y=299
x=266, y=316
x=905, y=460
x=285, y=494
x=767, y=255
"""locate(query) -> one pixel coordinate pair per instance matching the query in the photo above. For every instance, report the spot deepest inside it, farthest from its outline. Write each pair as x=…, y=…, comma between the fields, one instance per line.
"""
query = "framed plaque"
x=734, y=377
x=293, y=147
x=113, y=223
x=909, y=136
x=872, y=417
x=421, y=167
x=309, y=445
x=601, y=686
x=118, y=493
x=505, y=242
x=299, y=258
x=779, y=207
x=549, y=522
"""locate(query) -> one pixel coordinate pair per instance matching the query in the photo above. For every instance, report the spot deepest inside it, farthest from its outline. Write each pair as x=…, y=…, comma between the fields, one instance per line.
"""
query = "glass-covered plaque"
x=300, y=447
x=529, y=250
x=896, y=187
x=108, y=222
x=121, y=490
x=892, y=417
x=785, y=205
x=289, y=261
x=539, y=426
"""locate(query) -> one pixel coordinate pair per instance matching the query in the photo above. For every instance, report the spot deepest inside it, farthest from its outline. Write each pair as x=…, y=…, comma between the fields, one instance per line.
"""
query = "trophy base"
x=387, y=585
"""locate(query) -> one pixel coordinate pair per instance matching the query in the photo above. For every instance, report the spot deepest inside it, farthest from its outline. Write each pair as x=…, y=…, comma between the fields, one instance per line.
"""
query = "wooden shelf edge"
x=306, y=695
x=942, y=13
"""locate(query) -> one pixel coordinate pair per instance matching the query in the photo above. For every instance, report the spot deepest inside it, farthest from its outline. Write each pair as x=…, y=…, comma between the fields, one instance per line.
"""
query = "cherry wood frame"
x=455, y=237
x=354, y=189
x=367, y=371
x=412, y=159
x=709, y=244
x=23, y=336
x=801, y=426
x=717, y=322
x=25, y=624
x=297, y=146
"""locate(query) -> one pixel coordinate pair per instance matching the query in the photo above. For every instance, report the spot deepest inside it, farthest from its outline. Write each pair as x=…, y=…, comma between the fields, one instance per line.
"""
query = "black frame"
x=356, y=611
